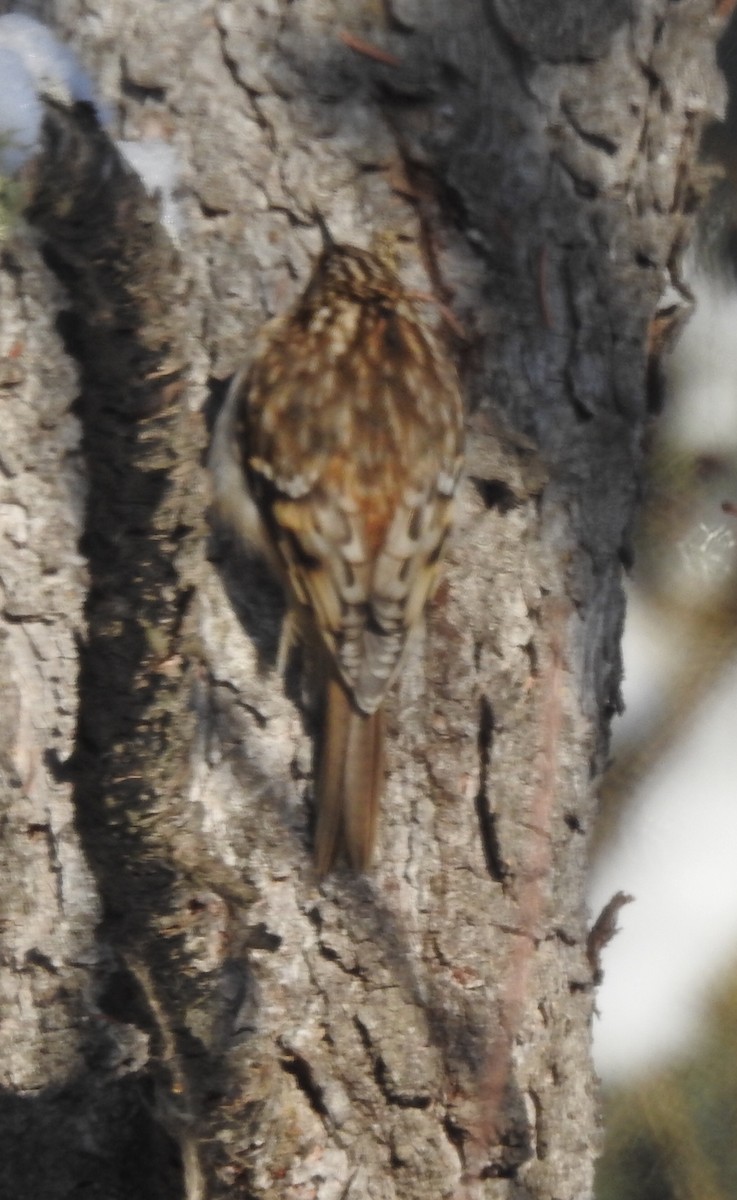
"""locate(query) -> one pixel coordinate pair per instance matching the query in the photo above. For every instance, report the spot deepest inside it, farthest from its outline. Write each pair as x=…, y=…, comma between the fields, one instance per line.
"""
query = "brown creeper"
x=338, y=453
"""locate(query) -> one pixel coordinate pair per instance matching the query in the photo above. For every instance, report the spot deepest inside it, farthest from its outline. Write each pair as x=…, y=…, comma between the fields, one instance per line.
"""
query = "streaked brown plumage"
x=347, y=429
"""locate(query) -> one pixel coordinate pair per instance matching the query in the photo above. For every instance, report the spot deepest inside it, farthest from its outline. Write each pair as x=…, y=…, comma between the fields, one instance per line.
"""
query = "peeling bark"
x=186, y=1011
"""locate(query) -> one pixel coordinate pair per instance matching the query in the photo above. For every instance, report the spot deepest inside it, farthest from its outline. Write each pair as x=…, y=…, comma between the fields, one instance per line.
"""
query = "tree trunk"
x=187, y=1011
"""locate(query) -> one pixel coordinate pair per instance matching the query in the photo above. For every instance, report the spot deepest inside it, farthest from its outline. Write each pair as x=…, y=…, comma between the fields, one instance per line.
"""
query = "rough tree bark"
x=185, y=1012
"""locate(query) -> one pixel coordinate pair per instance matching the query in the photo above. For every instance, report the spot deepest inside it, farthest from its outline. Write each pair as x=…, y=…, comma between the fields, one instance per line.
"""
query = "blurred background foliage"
x=671, y=1119
x=673, y=1134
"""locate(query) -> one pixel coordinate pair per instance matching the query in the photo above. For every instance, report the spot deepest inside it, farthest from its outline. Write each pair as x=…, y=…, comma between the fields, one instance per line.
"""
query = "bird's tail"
x=349, y=781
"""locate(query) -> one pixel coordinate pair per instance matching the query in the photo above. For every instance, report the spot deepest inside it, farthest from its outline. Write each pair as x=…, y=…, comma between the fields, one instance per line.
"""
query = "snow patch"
x=54, y=68
x=157, y=164
x=20, y=112
x=33, y=63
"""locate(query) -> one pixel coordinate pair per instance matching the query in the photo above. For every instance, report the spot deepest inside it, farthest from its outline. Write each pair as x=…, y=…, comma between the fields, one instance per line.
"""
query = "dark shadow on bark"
x=103, y=240
x=461, y=1033
x=123, y=1155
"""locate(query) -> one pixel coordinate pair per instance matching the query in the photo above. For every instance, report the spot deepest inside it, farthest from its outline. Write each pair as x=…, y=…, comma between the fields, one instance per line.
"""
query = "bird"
x=338, y=455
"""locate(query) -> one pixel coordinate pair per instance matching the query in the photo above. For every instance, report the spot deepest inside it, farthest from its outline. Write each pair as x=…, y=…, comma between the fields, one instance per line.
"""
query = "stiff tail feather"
x=349, y=781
